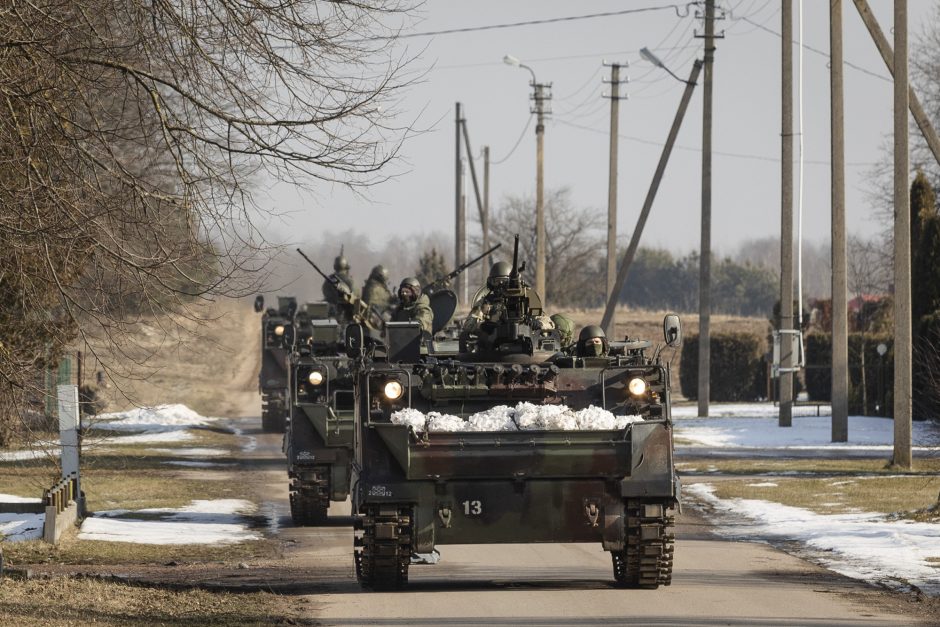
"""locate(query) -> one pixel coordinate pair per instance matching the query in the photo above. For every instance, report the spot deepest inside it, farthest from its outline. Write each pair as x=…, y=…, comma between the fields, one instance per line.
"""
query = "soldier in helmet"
x=375, y=292
x=338, y=288
x=413, y=306
x=592, y=342
x=565, y=326
x=488, y=305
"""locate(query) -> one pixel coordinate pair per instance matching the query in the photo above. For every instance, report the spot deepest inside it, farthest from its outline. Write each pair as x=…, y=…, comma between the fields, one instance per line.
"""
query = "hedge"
x=878, y=376
x=737, y=367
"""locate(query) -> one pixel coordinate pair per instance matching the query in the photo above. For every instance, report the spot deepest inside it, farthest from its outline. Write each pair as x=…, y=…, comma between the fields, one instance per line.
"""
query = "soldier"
x=592, y=342
x=375, y=292
x=413, y=306
x=488, y=305
x=565, y=326
x=339, y=281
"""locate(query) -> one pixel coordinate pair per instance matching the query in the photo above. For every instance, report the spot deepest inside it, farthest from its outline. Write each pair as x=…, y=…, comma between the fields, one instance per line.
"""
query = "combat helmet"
x=411, y=287
x=340, y=264
x=499, y=274
x=587, y=347
x=379, y=273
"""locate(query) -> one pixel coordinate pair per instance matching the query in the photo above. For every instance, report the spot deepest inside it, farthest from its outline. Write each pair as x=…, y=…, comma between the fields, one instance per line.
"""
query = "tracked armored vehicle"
x=319, y=438
x=477, y=471
x=275, y=349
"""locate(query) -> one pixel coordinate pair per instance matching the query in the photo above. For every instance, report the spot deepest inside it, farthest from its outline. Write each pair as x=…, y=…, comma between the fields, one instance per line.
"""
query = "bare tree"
x=574, y=244
x=132, y=132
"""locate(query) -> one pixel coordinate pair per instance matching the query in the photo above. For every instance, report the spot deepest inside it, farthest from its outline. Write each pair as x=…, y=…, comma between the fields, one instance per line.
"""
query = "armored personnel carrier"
x=508, y=440
x=319, y=437
x=275, y=348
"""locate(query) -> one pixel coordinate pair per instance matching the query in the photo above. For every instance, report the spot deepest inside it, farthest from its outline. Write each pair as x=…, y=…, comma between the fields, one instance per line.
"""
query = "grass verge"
x=827, y=486
x=64, y=601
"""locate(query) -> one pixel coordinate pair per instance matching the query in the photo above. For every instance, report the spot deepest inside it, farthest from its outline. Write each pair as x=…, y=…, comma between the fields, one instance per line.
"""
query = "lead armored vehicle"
x=319, y=437
x=275, y=349
x=508, y=440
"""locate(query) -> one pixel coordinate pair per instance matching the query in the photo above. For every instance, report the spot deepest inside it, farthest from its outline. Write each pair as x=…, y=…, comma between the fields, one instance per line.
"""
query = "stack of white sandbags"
x=523, y=417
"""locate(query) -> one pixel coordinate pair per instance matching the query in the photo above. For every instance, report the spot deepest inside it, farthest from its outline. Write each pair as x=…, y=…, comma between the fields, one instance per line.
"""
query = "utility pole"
x=459, y=215
x=481, y=204
x=464, y=284
x=540, y=97
x=609, y=327
x=653, y=189
x=485, y=266
x=704, y=297
x=840, y=322
x=902, y=246
x=881, y=42
x=785, y=380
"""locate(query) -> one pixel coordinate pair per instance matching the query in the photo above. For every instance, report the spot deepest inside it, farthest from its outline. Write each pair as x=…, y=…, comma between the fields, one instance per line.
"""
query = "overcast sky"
x=467, y=67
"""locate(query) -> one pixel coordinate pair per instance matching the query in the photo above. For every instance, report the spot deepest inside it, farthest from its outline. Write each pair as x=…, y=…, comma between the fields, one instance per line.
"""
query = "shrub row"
x=738, y=367
x=875, y=397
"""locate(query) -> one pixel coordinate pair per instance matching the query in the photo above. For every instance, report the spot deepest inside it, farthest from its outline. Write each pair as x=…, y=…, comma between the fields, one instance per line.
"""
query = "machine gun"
x=515, y=295
x=355, y=308
x=445, y=280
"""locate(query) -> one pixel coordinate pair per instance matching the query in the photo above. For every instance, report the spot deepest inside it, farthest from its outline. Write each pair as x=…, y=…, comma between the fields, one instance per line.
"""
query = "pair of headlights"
x=393, y=389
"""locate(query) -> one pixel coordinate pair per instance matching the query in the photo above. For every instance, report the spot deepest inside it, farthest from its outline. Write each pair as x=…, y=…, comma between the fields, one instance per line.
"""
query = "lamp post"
x=541, y=95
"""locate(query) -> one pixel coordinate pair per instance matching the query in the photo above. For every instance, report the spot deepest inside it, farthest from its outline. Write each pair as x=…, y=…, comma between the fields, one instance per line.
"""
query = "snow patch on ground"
x=808, y=432
x=148, y=437
x=159, y=418
x=190, y=452
x=21, y=527
x=201, y=522
x=18, y=456
x=524, y=416
x=862, y=545
x=12, y=498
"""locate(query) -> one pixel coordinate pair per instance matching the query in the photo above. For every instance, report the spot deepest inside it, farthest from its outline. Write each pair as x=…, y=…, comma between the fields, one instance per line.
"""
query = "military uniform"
x=345, y=283
x=419, y=311
x=377, y=294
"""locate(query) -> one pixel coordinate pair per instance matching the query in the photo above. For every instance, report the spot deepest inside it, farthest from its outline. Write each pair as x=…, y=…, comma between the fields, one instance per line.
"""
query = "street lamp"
x=540, y=96
x=647, y=54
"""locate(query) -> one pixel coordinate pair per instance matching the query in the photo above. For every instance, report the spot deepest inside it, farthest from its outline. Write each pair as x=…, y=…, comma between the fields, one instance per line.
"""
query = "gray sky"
x=467, y=67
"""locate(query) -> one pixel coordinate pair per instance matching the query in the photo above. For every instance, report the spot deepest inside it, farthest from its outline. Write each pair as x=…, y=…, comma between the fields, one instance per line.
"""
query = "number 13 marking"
x=472, y=508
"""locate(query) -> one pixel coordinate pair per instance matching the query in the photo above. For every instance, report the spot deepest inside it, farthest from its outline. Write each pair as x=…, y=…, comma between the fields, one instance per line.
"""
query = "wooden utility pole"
x=540, y=97
x=459, y=219
x=485, y=266
x=840, y=319
x=704, y=278
x=881, y=42
x=651, y=194
x=785, y=380
x=902, y=246
x=612, y=193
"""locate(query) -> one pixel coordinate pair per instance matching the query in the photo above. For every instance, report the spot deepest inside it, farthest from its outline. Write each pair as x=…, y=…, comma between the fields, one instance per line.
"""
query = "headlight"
x=637, y=386
x=315, y=377
x=279, y=330
x=393, y=390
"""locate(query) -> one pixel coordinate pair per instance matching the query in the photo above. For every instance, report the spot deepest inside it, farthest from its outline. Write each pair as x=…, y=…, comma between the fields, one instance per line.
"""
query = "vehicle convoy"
x=508, y=440
x=319, y=438
x=275, y=349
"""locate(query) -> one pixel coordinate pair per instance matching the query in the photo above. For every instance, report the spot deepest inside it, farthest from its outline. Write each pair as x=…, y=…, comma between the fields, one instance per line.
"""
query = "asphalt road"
x=715, y=581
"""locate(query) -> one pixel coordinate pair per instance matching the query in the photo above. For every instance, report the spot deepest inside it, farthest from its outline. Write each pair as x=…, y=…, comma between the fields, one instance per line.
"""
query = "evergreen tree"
x=925, y=295
x=431, y=266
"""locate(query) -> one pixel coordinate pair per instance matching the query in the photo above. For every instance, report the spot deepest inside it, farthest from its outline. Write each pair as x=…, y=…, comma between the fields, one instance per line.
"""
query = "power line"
x=821, y=53
x=551, y=20
x=518, y=141
x=733, y=155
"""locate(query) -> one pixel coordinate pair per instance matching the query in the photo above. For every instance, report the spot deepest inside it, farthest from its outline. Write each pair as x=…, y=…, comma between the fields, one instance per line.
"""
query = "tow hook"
x=592, y=511
x=444, y=514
